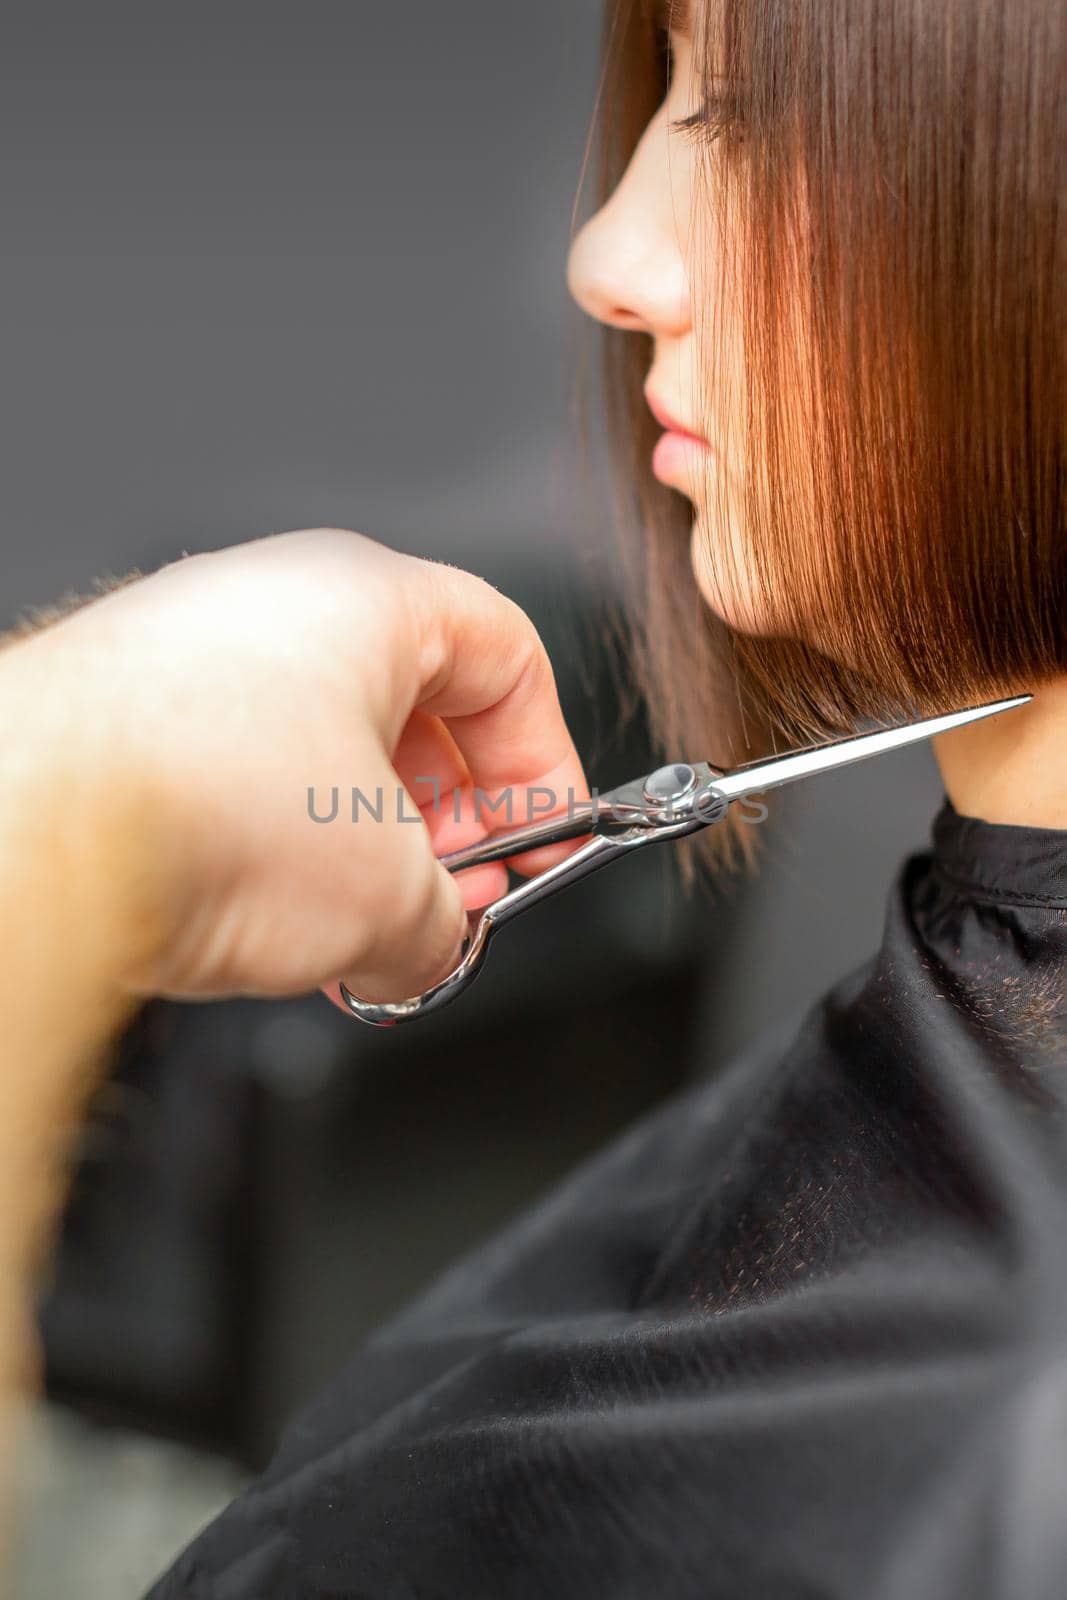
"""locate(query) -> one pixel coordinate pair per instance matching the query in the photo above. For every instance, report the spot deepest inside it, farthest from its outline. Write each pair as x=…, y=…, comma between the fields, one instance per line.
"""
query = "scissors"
x=670, y=803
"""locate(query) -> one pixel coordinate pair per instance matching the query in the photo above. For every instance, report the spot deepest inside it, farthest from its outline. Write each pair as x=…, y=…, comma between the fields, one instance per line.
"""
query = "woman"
x=804, y=1331
x=834, y=252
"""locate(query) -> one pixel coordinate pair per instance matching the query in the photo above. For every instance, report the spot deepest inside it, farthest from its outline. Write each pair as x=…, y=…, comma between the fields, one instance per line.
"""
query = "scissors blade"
x=761, y=775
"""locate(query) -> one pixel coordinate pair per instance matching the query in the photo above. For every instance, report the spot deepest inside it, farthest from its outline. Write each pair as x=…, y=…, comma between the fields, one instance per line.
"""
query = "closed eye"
x=718, y=115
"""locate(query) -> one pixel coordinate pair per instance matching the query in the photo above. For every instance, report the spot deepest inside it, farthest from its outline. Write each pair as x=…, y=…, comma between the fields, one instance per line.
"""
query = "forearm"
x=69, y=845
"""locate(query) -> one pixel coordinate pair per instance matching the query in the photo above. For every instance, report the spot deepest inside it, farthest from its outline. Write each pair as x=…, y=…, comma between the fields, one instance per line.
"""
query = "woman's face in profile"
x=642, y=263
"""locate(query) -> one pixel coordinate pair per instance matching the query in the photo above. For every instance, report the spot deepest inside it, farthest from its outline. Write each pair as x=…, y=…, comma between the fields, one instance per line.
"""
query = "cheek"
x=721, y=548
x=744, y=580
x=755, y=587
x=725, y=575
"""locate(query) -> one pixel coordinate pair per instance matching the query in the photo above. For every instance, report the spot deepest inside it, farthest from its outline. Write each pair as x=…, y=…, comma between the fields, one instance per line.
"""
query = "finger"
x=477, y=887
x=408, y=914
x=429, y=765
x=493, y=686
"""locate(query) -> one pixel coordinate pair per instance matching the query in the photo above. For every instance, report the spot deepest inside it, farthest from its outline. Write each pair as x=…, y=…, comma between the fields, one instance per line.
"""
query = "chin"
x=736, y=603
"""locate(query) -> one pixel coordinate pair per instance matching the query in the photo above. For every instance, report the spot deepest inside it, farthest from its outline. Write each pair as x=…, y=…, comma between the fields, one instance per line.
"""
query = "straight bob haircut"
x=886, y=180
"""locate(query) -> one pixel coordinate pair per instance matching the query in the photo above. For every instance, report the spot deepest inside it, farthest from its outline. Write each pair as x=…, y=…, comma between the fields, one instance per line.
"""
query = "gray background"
x=265, y=268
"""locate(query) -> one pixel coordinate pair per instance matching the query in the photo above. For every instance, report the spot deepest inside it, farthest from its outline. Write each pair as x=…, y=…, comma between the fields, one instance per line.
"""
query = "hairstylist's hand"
x=200, y=704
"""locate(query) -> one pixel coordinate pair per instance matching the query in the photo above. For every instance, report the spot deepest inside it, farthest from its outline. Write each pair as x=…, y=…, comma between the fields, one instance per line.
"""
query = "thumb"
x=414, y=924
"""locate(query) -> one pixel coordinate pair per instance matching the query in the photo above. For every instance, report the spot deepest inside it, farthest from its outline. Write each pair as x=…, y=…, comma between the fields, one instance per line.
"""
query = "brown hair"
x=887, y=177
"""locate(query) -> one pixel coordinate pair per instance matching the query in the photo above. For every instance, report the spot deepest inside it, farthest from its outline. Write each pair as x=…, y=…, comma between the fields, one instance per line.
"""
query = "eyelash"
x=719, y=114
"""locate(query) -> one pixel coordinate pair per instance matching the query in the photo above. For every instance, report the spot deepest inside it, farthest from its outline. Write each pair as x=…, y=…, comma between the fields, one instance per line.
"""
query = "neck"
x=1011, y=767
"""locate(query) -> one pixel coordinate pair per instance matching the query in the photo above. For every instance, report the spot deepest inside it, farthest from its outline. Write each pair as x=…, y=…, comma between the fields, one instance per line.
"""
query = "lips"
x=668, y=421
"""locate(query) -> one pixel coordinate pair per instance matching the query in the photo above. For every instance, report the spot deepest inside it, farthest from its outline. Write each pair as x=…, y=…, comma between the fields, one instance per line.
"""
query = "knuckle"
x=323, y=544
x=525, y=651
x=533, y=668
x=328, y=540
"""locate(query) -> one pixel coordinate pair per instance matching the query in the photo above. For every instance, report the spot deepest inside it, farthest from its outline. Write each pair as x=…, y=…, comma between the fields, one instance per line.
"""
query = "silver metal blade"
x=761, y=775
x=517, y=841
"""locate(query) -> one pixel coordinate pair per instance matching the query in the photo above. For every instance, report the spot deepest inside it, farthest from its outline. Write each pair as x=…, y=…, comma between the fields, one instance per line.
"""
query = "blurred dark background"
x=268, y=268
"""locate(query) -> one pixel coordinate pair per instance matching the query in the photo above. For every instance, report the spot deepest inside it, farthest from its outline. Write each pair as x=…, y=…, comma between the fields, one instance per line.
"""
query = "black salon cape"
x=801, y=1334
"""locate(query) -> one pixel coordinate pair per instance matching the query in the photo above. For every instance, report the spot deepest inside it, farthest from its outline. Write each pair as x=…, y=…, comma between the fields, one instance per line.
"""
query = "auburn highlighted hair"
x=887, y=181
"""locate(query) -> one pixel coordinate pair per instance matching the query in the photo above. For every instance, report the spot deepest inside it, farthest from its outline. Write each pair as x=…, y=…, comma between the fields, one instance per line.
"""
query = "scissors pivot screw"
x=669, y=783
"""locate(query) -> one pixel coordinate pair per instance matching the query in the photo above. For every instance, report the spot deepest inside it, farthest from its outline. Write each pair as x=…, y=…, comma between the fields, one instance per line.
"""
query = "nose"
x=627, y=265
